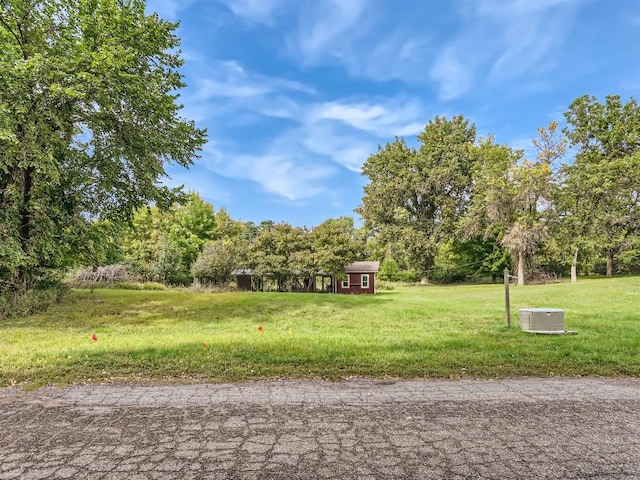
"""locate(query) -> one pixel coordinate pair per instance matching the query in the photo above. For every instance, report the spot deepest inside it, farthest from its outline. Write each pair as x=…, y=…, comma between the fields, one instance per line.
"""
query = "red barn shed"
x=361, y=278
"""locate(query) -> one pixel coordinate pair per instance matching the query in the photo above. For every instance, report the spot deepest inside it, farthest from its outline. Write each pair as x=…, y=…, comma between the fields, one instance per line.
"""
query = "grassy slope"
x=412, y=332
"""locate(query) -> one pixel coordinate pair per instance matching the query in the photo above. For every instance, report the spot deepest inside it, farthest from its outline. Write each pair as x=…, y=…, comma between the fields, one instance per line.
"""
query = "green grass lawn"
x=445, y=332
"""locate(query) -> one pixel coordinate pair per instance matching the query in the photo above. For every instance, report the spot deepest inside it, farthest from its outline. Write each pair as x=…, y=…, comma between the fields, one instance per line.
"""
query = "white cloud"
x=228, y=79
x=363, y=39
x=347, y=150
x=326, y=25
x=294, y=159
x=300, y=157
x=454, y=75
x=460, y=49
x=403, y=54
x=281, y=169
x=515, y=39
x=384, y=119
x=532, y=33
x=286, y=175
x=224, y=89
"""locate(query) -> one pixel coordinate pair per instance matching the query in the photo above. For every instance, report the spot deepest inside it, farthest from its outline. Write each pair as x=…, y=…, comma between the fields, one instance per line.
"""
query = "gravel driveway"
x=552, y=428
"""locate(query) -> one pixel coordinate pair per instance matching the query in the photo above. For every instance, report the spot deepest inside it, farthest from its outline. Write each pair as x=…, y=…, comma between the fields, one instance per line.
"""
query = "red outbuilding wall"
x=355, y=283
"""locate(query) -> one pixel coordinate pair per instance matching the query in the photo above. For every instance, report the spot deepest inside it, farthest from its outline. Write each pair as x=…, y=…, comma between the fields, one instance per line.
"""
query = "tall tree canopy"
x=601, y=194
x=511, y=200
x=418, y=196
x=282, y=251
x=88, y=122
x=336, y=244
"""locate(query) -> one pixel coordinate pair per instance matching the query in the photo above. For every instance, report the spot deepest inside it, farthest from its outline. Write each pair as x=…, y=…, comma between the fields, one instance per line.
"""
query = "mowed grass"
x=436, y=332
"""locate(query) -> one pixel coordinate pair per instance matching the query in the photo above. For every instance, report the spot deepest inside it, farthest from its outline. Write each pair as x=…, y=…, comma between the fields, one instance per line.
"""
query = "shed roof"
x=363, y=267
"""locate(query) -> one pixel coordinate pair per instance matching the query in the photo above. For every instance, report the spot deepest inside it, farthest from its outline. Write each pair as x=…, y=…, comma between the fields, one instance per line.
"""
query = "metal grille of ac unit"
x=542, y=320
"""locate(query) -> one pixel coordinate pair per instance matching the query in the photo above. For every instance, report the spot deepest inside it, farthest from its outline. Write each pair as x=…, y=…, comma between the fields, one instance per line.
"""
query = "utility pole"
x=506, y=296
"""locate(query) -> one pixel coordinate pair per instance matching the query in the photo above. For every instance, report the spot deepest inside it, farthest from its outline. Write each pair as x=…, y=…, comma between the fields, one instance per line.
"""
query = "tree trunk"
x=609, y=263
x=574, y=266
x=24, y=232
x=521, y=269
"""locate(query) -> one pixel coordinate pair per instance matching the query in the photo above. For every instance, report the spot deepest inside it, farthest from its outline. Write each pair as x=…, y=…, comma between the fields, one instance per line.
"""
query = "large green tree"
x=162, y=245
x=416, y=197
x=336, y=244
x=511, y=201
x=601, y=188
x=216, y=262
x=282, y=252
x=88, y=122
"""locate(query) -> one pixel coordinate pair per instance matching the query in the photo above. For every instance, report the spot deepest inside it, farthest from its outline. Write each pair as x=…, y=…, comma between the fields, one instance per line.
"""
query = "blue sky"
x=296, y=94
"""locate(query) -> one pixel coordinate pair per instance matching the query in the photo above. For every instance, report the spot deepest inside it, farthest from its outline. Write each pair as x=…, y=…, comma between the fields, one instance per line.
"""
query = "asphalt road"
x=581, y=428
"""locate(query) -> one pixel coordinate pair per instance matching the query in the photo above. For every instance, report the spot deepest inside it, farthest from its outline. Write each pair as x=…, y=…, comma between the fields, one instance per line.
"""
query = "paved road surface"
x=360, y=429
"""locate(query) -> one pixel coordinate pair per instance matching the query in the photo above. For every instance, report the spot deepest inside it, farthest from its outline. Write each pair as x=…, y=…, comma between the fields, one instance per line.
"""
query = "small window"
x=345, y=282
x=365, y=281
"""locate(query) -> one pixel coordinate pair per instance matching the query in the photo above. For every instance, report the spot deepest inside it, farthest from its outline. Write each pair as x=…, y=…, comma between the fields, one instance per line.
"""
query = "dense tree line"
x=466, y=204
x=193, y=242
x=457, y=207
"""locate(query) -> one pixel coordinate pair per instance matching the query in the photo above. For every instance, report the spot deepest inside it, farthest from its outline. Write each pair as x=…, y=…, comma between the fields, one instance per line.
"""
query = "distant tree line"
x=460, y=205
x=192, y=241
x=455, y=208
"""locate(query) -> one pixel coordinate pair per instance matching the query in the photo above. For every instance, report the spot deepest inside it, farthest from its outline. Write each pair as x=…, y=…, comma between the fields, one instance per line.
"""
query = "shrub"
x=110, y=276
x=16, y=304
x=153, y=286
x=215, y=263
x=389, y=270
x=446, y=276
x=384, y=285
x=410, y=276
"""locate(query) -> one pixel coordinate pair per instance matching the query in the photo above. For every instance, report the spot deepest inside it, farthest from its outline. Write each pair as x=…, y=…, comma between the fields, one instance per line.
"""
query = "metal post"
x=506, y=296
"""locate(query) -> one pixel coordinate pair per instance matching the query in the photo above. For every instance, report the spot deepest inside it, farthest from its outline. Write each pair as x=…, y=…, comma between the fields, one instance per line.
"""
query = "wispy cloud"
x=359, y=37
x=531, y=32
x=317, y=140
x=226, y=89
x=304, y=136
x=453, y=73
x=386, y=118
x=326, y=26
x=229, y=79
x=510, y=39
x=279, y=168
x=347, y=150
